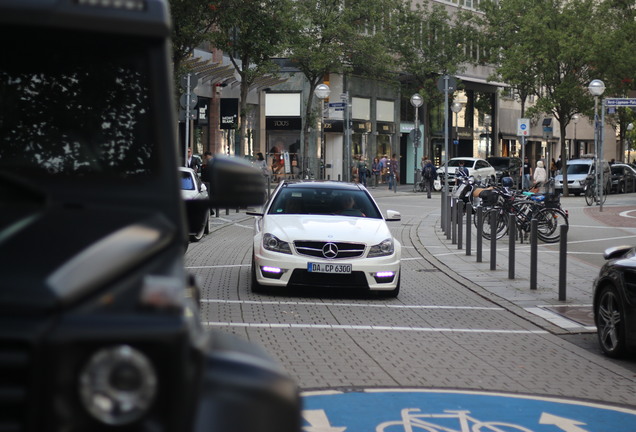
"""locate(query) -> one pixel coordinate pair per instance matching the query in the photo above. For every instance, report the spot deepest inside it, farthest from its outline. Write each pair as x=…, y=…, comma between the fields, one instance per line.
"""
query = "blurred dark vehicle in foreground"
x=99, y=322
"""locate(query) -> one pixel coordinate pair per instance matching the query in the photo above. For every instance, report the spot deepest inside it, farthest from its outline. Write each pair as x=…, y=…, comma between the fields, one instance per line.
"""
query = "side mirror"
x=234, y=183
x=393, y=216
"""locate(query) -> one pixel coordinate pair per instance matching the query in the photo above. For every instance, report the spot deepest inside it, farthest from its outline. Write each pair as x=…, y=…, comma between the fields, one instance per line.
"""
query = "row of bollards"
x=457, y=218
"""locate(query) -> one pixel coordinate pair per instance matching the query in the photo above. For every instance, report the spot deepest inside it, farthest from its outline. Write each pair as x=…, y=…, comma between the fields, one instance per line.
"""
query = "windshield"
x=455, y=163
x=499, y=163
x=324, y=201
x=578, y=169
x=78, y=107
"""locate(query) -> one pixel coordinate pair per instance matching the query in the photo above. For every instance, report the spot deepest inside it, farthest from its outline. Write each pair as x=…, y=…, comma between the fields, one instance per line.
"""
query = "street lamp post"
x=456, y=107
x=596, y=88
x=322, y=92
x=575, y=147
x=487, y=123
x=416, y=101
x=630, y=128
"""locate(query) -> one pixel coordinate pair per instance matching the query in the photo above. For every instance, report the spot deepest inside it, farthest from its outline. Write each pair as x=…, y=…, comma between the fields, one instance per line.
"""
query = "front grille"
x=14, y=378
x=303, y=278
x=315, y=248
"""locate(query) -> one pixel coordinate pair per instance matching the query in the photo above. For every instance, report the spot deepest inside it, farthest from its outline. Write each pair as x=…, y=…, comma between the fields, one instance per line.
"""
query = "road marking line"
x=371, y=327
x=219, y=266
x=388, y=306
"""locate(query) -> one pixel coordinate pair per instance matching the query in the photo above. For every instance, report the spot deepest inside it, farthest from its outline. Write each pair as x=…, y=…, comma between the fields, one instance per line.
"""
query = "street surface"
x=455, y=324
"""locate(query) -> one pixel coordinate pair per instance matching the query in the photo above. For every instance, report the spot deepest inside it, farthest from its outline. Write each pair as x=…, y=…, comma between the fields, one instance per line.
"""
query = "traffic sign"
x=523, y=127
x=620, y=102
x=452, y=83
x=188, y=100
x=194, y=81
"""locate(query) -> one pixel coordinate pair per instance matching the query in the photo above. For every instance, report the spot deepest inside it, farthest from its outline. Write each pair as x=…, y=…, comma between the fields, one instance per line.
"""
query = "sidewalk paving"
x=541, y=305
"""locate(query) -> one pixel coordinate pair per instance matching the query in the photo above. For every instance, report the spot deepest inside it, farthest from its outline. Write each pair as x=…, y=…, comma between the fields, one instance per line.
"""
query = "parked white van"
x=578, y=170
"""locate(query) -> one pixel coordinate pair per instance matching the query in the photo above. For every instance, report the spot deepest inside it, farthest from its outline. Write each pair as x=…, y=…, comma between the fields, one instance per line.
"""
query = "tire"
x=610, y=322
x=589, y=196
x=501, y=227
x=205, y=228
x=549, y=222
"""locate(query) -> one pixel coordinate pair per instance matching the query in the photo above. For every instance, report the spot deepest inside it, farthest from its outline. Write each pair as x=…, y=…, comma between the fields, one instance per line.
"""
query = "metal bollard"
x=480, y=231
x=493, y=240
x=447, y=221
x=449, y=217
x=563, y=255
x=533, y=254
x=443, y=218
x=469, y=213
x=460, y=223
x=512, y=238
x=454, y=214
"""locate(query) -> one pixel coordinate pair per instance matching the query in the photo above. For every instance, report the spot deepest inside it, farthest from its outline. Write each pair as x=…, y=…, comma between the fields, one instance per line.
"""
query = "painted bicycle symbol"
x=412, y=421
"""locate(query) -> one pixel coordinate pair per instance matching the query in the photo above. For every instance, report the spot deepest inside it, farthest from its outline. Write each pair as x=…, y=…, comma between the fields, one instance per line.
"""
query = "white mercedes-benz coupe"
x=325, y=234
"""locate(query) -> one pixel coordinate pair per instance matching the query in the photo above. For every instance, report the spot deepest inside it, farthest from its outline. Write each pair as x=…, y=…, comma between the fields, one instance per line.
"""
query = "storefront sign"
x=386, y=128
x=229, y=113
x=334, y=126
x=361, y=126
x=283, y=123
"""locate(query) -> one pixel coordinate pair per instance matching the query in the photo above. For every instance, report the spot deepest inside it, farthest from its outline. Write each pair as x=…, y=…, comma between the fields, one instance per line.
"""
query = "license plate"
x=328, y=268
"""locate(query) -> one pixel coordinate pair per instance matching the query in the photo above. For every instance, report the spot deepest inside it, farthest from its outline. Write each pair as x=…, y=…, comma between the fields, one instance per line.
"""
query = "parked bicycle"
x=545, y=208
x=592, y=191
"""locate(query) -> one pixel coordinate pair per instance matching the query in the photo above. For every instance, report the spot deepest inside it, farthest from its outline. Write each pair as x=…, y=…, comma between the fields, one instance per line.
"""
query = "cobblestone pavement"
x=456, y=323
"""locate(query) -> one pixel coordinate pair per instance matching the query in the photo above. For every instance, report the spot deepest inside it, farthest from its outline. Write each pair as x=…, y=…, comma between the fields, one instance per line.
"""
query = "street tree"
x=429, y=43
x=251, y=33
x=546, y=47
x=330, y=38
x=615, y=60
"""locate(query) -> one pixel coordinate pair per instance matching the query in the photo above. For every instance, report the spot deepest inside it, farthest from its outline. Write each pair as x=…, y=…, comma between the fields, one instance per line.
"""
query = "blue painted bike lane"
x=416, y=410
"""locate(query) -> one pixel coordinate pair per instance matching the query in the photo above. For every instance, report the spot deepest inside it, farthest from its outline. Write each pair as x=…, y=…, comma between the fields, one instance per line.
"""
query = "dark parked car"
x=623, y=178
x=502, y=164
x=615, y=301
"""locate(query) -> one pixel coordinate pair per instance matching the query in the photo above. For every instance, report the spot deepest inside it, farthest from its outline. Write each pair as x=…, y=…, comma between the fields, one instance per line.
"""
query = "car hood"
x=54, y=255
x=327, y=228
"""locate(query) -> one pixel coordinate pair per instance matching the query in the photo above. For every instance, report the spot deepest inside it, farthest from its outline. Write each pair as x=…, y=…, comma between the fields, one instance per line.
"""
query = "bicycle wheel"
x=501, y=227
x=590, y=196
x=549, y=221
x=399, y=426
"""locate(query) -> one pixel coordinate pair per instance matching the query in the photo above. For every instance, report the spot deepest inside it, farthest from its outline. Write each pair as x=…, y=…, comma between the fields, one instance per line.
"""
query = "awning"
x=481, y=81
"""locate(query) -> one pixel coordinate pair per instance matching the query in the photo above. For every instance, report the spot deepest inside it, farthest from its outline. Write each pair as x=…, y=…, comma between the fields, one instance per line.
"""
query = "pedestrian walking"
x=526, y=173
x=376, y=169
x=540, y=176
x=393, y=172
x=429, y=174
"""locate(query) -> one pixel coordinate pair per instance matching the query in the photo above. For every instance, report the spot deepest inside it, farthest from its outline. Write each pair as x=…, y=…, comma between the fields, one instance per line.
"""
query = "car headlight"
x=118, y=385
x=274, y=244
x=382, y=249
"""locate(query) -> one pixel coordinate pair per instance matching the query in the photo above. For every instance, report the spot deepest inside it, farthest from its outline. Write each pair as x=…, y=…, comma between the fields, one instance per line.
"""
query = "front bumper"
x=367, y=273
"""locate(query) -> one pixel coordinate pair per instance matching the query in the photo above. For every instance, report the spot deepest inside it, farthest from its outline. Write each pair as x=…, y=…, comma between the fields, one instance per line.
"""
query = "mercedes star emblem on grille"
x=330, y=250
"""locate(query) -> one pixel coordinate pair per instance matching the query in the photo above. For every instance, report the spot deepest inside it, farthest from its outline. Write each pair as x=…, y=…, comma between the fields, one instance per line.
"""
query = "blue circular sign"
x=415, y=410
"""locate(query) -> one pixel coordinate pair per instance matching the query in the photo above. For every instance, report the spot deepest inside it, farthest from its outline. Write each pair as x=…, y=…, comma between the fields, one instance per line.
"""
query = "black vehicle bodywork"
x=93, y=231
x=511, y=165
x=615, y=301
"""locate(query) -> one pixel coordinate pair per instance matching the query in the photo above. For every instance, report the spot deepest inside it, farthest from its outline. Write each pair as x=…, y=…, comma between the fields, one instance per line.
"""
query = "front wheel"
x=549, y=221
x=610, y=322
x=500, y=228
x=590, y=196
